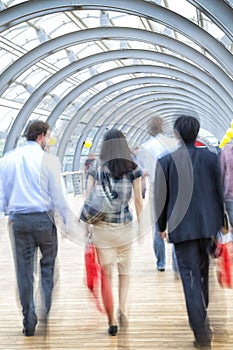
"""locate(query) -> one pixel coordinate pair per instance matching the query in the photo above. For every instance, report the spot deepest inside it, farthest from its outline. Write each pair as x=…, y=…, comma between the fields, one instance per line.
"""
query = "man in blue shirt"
x=31, y=192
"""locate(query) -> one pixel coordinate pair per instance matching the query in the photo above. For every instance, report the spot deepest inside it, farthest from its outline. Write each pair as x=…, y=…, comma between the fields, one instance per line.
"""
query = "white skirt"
x=114, y=243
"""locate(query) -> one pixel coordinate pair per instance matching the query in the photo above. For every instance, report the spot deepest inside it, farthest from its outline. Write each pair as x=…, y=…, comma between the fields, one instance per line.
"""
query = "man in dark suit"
x=189, y=205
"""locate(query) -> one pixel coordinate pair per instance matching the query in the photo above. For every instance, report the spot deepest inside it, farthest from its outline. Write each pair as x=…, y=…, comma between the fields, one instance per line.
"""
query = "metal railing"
x=74, y=182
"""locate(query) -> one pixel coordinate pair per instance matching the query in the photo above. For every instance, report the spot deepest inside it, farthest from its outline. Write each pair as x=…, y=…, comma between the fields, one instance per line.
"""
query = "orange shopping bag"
x=93, y=273
x=225, y=260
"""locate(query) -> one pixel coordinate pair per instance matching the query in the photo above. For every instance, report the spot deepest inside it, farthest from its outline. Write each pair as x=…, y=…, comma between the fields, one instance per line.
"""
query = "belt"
x=13, y=215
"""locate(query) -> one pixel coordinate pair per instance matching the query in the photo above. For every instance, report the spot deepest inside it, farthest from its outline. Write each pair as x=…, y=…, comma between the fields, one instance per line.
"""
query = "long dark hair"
x=115, y=153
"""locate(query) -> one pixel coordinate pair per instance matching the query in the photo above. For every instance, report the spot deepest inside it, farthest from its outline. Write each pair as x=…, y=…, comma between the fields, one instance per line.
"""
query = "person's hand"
x=71, y=225
x=163, y=234
x=87, y=229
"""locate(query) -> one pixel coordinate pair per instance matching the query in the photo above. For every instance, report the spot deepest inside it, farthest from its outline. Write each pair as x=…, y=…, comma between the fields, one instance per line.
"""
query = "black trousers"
x=193, y=261
x=29, y=232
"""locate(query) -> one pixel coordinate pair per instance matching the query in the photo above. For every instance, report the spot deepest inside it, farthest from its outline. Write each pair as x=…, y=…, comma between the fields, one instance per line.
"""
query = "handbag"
x=92, y=211
x=93, y=273
x=100, y=201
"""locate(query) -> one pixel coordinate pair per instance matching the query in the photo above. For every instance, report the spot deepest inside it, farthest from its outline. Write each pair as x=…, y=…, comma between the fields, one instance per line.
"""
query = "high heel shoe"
x=122, y=319
x=112, y=330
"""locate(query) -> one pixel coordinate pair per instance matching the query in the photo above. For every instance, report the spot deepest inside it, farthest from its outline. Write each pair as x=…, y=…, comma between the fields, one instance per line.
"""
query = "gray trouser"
x=30, y=231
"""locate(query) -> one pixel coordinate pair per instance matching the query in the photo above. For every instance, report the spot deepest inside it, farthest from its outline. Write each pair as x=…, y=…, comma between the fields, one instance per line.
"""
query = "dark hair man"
x=189, y=204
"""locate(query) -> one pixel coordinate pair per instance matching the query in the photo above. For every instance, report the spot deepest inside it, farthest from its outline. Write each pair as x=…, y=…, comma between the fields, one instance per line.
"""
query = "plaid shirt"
x=122, y=187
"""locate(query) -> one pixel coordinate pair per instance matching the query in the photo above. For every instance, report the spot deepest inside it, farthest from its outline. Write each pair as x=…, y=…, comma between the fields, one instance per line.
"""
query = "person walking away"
x=144, y=174
x=154, y=148
x=31, y=194
x=90, y=159
x=189, y=204
x=114, y=235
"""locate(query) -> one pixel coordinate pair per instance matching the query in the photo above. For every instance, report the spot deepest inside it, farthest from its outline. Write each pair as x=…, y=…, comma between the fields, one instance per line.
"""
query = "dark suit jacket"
x=188, y=194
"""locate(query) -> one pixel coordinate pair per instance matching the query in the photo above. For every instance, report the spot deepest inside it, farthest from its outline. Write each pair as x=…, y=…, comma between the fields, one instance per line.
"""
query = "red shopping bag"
x=225, y=261
x=93, y=273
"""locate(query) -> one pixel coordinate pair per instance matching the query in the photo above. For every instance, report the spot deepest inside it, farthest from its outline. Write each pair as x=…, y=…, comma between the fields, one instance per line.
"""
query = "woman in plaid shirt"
x=114, y=235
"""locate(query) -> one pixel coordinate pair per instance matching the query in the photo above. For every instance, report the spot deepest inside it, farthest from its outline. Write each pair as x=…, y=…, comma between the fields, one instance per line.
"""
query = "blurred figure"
x=189, y=204
x=226, y=164
x=88, y=162
x=154, y=148
x=144, y=174
x=114, y=235
x=90, y=159
x=31, y=191
x=175, y=266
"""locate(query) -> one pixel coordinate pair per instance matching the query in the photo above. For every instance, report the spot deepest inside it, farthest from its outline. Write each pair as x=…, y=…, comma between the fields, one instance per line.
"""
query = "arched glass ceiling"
x=83, y=66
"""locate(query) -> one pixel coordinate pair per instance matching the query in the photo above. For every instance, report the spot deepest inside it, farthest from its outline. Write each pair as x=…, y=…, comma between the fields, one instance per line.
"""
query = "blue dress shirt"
x=31, y=181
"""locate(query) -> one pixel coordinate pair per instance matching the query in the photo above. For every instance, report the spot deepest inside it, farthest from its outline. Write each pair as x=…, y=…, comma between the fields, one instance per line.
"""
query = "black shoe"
x=29, y=332
x=201, y=346
x=112, y=330
x=161, y=269
x=211, y=333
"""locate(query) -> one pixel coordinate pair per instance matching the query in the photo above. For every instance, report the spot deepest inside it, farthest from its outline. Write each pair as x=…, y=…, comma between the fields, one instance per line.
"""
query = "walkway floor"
x=157, y=314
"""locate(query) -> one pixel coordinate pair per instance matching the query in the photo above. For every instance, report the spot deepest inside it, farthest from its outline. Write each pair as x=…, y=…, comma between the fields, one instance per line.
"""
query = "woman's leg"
x=124, y=268
x=123, y=296
x=107, y=294
x=123, y=291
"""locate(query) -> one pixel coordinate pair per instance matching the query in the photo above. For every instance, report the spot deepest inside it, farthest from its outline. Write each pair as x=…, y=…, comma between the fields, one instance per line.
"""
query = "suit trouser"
x=193, y=261
x=30, y=231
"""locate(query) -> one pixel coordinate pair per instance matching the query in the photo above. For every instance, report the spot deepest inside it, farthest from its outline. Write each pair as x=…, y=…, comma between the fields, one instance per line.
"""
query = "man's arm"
x=147, y=162
x=53, y=187
x=160, y=196
x=222, y=162
x=2, y=199
x=219, y=186
x=138, y=197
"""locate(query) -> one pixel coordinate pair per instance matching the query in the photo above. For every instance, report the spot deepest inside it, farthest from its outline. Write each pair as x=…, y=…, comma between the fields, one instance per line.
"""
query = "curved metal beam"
x=176, y=108
x=105, y=110
x=24, y=12
x=83, y=87
x=191, y=101
x=219, y=12
x=116, y=87
x=172, y=114
x=158, y=107
x=95, y=59
x=167, y=108
x=137, y=104
x=91, y=4
x=185, y=89
x=141, y=109
x=38, y=53
x=137, y=136
x=150, y=107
